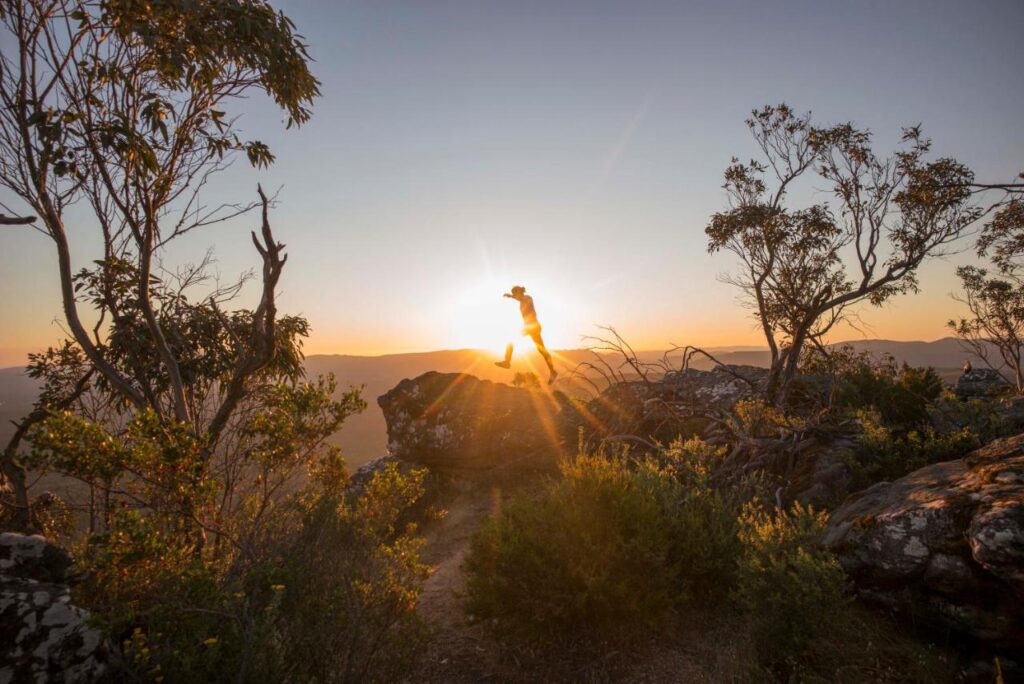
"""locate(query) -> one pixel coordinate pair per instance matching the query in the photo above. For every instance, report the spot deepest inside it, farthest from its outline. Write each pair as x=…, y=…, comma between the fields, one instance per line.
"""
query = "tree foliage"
x=802, y=269
x=122, y=107
x=215, y=501
x=993, y=330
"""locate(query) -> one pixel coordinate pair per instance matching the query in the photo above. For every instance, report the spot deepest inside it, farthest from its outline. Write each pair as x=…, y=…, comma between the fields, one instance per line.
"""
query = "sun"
x=482, y=319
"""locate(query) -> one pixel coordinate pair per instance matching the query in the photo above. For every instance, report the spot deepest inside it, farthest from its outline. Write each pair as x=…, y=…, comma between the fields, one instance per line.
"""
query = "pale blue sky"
x=575, y=146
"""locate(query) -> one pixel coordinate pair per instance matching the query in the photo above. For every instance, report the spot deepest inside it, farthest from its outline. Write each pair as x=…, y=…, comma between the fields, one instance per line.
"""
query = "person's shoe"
x=503, y=364
x=554, y=374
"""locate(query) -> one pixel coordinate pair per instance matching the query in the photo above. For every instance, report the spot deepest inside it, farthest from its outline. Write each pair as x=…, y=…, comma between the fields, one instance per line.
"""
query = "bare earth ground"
x=463, y=651
x=459, y=651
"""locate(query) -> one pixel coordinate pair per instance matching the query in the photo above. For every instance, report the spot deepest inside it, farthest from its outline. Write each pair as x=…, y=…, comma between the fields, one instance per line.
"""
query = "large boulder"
x=457, y=423
x=43, y=637
x=944, y=544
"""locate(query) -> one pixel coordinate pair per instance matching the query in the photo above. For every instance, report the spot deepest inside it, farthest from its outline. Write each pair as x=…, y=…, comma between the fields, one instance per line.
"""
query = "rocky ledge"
x=945, y=543
x=457, y=423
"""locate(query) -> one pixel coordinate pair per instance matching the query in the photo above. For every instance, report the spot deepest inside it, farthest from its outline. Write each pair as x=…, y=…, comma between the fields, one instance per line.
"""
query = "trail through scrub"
x=460, y=650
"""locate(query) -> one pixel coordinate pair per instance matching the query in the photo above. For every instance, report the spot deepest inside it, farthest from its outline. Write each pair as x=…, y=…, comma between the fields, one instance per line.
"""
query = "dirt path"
x=460, y=650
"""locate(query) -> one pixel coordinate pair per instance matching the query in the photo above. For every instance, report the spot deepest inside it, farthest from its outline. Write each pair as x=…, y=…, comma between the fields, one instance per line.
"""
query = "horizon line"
x=724, y=347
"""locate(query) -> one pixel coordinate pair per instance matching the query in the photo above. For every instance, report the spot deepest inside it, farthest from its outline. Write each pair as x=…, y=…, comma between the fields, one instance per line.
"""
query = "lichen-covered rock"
x=43, y=637
x=720, y=387
x=945, y=542
x=31, y=557
x=676, y=404
x=457, y=423
x=979, y=383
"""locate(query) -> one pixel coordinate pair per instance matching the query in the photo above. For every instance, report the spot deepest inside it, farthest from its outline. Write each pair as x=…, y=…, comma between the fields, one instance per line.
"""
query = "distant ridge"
x=363, y=436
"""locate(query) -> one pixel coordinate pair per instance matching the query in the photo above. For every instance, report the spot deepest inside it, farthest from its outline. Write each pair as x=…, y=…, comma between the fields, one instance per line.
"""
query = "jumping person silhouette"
x=531, y=328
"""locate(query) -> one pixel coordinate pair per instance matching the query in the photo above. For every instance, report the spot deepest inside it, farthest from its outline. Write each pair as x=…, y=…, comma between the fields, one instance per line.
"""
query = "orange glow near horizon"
x=476, y=316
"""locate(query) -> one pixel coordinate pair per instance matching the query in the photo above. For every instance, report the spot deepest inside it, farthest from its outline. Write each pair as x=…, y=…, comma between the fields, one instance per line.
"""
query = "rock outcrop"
x=945, y=544
x=457, y=423
x=980, y=383
x=676, y=404
x=43, y=638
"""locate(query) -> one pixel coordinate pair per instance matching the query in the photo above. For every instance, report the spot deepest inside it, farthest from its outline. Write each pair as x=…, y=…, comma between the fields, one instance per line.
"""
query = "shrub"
x=329, y=597
x=590, y=555
x=241, y=563
x=610, y=548
x=791, y=588
x=351, y=579
x=982, y=417
x=706, y=546
x=161, y=603
x=901, y=395
x=884, y=454
x=609, y=551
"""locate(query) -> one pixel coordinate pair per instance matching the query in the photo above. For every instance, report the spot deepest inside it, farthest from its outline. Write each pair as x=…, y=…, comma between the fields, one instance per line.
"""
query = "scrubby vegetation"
x=329, y=595
x=220, y=537
x=596, y=554
x=618, y=548
x=611, y=547
x=792, y=589
x=216, y=532
x=903, y=418
x=239, y=562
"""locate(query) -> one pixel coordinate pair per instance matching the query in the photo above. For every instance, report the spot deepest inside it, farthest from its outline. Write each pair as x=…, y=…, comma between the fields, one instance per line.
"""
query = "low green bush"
x=983, y=417
x=792, y=589
x=611, y=547
x=618, y=548
x=884, y=454
x=707, y=545
x=900, y=394
x=350, y=580
x=591, y=557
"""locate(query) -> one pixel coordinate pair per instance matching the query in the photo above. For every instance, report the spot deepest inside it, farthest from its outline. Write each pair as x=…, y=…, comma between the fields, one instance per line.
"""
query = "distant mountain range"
x=363, y=437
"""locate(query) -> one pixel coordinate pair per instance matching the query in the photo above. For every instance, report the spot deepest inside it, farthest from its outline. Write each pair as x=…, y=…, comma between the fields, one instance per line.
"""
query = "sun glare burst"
x=481, y=318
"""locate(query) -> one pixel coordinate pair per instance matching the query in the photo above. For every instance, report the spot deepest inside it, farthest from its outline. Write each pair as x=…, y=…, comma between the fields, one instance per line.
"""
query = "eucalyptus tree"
x=993, y=330
x=124, y=108
x=802, y=268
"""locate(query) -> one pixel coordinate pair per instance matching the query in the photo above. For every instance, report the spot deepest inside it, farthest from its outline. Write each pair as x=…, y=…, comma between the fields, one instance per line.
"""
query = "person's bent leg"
x=539, y=341
x=507, y=363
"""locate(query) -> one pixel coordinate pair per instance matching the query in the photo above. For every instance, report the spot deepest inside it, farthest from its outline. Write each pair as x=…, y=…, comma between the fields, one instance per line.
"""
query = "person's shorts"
x=533, y=332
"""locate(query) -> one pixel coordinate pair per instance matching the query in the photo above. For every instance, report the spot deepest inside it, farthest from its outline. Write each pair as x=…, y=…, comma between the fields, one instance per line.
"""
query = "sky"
x=576, y=148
